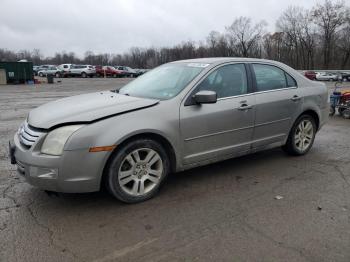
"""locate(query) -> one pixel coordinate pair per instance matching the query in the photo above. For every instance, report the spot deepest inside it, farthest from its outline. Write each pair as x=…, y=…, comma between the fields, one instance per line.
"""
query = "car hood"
x=85, y=108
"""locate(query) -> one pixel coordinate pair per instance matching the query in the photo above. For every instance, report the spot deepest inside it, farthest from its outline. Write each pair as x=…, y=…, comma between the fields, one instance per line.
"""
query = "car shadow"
x=233, y=168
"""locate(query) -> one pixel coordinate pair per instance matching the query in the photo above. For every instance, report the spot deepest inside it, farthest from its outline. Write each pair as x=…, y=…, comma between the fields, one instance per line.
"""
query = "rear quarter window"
x=291, y=81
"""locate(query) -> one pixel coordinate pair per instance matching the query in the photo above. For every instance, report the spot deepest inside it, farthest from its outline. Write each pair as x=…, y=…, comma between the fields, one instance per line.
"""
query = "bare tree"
x=246, y=34
x=329, y=17
x=299, y=36
x=343, y=43
x=288, y=23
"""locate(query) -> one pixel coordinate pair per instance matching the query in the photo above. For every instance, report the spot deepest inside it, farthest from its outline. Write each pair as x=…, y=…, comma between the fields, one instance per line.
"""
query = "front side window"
x=270, y=77
x=228, y=80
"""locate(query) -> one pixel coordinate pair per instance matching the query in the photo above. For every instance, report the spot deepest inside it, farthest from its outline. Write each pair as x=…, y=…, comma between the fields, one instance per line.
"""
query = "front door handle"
x=295, y=98
x=244, y=107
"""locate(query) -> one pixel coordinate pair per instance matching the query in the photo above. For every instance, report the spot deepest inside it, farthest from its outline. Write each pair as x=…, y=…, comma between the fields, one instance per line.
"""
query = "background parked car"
x=141, y=71
x=107, y=71
x=324, y=76
x=51, y=70
x=310, y=74
x=36, y=69
x=82, y=70
x=345, y=76
x=65, y=68
x=127, y=71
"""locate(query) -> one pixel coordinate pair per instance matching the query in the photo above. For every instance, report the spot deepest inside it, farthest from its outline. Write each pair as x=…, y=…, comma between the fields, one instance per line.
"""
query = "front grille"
x=27, y=135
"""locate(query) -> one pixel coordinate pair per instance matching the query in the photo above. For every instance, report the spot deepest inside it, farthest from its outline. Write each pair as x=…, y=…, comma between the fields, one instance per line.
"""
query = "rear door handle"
x=244, y=107
x=295, y=98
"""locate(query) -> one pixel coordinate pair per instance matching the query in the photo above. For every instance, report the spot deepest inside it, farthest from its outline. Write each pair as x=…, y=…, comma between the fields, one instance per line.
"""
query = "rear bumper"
x=324, y=116
x=75, y=171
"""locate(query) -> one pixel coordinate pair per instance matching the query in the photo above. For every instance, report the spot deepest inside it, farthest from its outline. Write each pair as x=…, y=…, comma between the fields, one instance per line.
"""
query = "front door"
x=214, y=131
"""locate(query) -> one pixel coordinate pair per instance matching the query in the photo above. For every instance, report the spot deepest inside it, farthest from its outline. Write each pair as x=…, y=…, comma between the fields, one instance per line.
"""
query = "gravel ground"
x=222, y=212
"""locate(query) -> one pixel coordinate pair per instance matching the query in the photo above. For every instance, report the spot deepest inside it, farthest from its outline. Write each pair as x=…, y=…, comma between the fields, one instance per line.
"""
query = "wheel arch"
x=154, y=136
x=313, y=114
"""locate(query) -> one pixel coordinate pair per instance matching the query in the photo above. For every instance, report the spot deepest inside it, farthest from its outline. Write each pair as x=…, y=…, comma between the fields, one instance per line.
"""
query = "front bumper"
x=76, y=171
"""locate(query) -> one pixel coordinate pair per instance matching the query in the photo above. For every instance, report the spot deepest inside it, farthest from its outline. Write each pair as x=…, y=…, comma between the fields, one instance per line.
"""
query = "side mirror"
x=205, y=97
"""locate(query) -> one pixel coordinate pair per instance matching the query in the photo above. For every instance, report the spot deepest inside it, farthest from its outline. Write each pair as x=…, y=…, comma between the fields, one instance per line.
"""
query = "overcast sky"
x=113, y=26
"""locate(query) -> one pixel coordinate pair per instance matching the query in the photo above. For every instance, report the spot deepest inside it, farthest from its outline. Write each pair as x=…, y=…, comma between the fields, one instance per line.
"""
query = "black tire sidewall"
x=346, y=114
x=116, y=160
x=340, y=111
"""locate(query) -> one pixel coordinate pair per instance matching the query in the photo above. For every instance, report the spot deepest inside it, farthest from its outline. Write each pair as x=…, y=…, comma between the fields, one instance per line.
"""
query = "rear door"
x=74, y=69
x=278, y=102
x=214, y=131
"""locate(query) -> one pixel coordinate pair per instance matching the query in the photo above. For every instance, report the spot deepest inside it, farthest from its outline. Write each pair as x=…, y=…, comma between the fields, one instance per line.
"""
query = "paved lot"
x=222, y=212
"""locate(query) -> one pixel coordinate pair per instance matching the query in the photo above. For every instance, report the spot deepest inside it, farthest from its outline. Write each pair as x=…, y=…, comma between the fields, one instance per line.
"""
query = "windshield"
x=163, y=82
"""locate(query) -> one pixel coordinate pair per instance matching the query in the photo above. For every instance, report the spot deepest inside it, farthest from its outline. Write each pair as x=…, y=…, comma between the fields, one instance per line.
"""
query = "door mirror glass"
x=205, y=97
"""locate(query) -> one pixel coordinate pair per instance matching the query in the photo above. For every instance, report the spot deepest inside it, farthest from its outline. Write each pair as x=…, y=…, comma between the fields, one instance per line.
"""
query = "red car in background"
x=310, y=74
x=105, y=71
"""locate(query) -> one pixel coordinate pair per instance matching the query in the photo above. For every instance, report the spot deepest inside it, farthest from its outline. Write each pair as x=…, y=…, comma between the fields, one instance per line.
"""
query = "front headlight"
x=56, y=139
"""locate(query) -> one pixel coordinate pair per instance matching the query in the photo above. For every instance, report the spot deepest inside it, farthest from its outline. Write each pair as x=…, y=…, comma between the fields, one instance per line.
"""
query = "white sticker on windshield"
x=197, y=65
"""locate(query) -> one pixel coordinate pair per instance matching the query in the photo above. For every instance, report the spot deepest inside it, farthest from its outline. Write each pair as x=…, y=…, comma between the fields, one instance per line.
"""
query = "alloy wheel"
x=304, y=135
x=140, y=172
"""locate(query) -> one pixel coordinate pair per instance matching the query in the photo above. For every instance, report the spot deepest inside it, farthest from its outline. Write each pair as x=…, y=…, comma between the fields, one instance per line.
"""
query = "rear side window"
x=226, y=81
x=270, y=77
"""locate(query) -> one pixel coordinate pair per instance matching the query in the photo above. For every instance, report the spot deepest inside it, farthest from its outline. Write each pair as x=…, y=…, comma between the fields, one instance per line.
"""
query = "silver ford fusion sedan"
x=178, y=116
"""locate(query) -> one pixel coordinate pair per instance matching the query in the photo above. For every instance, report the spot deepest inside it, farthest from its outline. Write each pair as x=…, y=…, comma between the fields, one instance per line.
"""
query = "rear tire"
x=83, y=75
x=136, y=171
x=301, y=136
x=346, y=114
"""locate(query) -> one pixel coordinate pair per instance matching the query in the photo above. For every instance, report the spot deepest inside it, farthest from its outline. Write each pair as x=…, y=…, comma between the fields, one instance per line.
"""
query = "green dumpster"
x=18, y=72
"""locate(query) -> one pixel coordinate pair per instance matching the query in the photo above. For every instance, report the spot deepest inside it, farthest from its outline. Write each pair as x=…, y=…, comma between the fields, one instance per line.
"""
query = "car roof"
x=218, y=60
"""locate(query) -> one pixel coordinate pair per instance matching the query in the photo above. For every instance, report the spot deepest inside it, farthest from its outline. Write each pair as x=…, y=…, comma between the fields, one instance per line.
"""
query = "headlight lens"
x=20, y=128
x=56, y=139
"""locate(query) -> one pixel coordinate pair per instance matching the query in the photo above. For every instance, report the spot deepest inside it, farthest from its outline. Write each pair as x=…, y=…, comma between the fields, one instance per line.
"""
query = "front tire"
x=301, y=136
x=136, y=171
x=83, y=75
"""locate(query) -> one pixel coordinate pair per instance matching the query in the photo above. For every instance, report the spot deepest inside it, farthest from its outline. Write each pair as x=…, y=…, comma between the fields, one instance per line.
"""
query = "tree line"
x=316, y=38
